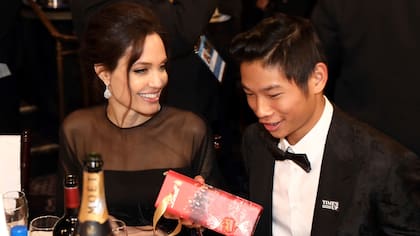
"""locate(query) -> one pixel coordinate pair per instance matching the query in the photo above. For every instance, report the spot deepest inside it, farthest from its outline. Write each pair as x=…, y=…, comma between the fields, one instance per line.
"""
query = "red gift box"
x=208, y=206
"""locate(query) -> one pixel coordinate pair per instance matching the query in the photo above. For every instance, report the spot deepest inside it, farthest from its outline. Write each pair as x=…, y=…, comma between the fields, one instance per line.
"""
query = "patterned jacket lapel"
x=336, y=179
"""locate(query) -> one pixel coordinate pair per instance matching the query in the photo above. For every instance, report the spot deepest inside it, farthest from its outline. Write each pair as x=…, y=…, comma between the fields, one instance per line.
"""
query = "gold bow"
x=160, y=210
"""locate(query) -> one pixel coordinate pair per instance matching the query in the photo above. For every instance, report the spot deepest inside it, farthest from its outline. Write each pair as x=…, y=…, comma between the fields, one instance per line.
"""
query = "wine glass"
x=43, y=225
x=118, y=227
x=15, y=208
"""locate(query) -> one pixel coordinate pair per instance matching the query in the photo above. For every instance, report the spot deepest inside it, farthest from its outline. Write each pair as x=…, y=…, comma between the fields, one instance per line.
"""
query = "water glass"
x=118, y=227
x=43, y=225
x=15, y=208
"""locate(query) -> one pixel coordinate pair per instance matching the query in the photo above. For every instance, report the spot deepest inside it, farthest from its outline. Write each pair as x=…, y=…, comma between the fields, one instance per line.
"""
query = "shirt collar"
x=315, y=138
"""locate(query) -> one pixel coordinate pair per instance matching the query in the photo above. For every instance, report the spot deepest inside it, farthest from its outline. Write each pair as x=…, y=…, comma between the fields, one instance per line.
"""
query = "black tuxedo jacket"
x=371, y=177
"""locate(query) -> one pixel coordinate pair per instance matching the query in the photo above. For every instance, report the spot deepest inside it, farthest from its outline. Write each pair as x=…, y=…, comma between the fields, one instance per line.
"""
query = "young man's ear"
x=319, y=77
x=103, y=73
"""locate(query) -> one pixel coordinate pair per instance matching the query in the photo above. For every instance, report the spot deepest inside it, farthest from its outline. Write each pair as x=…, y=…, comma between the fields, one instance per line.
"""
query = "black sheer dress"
x=135, y=158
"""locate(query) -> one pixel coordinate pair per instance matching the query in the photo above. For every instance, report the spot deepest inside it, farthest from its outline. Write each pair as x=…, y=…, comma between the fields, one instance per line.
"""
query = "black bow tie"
x=278, y=154
x=300, y=159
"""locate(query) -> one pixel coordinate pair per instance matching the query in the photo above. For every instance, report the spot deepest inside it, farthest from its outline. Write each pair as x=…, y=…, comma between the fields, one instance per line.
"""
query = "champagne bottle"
x=93, y=214
x=67, y=224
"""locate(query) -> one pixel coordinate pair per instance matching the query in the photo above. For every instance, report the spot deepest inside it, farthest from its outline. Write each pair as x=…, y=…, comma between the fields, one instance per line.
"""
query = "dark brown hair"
x=113, y=29
x=288, y=42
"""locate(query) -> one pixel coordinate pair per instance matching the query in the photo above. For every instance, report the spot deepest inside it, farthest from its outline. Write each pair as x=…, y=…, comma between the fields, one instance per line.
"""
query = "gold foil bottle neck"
x=93, y=206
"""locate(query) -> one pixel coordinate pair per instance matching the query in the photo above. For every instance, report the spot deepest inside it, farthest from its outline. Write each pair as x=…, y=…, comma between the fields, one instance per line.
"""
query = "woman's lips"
x=150, y=97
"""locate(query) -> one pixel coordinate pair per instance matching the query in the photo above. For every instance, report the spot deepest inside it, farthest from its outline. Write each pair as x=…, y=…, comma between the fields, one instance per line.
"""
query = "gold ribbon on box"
x=160, y=210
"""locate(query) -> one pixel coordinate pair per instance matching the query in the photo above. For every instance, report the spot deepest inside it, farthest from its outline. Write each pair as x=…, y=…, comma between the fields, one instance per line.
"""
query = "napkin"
x=9, y=163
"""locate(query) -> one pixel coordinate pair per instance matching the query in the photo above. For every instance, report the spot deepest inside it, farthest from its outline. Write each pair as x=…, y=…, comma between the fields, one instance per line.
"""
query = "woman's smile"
x=150, y=97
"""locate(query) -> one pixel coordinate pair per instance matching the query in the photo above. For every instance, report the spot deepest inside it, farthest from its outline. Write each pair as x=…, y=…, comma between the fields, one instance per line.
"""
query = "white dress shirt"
x=294, y=190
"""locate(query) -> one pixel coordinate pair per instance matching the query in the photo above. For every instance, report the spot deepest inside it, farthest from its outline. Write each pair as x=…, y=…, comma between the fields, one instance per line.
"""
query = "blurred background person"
x=255, y=10
x=373, y=50
x=291, y=7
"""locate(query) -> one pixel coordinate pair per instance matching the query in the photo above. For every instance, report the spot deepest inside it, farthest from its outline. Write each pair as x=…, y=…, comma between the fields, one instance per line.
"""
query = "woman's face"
x=147, y=78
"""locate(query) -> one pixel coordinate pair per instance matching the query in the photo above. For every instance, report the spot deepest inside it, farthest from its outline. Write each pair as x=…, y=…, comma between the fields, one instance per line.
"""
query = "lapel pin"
x=330, y=205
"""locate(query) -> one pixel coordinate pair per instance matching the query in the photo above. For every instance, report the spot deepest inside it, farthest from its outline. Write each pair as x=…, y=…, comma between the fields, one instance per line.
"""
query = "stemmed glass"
x=118, y=227
x=43, y=225
x=15, y=208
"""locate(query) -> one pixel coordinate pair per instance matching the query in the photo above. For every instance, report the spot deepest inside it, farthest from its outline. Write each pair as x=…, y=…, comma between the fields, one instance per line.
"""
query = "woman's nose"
x=159, y=79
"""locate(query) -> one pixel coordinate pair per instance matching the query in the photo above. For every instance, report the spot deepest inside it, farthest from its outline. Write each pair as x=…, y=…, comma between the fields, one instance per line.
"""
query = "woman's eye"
x=140, y=71
x=274, y=95
x=162, y=67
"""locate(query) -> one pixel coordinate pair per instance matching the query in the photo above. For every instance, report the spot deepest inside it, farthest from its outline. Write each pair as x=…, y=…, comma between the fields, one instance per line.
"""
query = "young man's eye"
x=274, y=95
x=248, y=94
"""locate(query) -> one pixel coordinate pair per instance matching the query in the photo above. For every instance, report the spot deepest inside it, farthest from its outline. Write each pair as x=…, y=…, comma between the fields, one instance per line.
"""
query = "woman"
x=138, y=138
x=192, y=85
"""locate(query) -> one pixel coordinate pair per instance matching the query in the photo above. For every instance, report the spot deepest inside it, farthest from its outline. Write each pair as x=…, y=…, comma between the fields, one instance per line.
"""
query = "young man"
x=348, y=178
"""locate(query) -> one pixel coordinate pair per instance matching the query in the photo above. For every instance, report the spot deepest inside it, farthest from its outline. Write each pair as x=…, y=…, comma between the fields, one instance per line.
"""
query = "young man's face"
x=280, y=105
